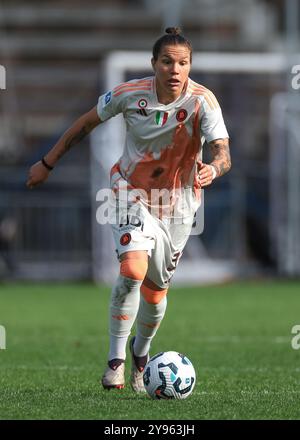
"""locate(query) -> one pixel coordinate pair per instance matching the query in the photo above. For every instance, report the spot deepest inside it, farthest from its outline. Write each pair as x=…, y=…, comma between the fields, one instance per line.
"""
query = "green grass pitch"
x=238, y=337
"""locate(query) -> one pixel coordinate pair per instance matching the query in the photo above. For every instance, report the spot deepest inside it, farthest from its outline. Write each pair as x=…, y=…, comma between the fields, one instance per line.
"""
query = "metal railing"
x=45, y=233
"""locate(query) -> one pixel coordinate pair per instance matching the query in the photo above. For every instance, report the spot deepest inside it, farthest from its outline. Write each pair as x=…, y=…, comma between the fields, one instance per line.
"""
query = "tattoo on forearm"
x=72, y=140
x=221, y=156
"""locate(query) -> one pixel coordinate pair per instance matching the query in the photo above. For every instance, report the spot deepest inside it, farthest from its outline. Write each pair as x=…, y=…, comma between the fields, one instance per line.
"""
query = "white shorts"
x=164, y=240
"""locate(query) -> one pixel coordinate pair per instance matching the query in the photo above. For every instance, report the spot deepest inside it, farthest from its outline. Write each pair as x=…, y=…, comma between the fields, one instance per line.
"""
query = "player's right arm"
x=38, y=173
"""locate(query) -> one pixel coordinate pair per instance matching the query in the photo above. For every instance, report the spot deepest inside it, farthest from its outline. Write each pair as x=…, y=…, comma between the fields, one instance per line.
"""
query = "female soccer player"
x=168, y=116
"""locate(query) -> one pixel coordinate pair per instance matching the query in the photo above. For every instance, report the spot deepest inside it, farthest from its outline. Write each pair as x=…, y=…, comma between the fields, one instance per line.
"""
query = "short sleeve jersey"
x=163, y=142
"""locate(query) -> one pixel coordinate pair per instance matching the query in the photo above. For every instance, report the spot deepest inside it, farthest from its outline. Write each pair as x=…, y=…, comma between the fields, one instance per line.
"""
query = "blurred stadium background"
x=56, y=55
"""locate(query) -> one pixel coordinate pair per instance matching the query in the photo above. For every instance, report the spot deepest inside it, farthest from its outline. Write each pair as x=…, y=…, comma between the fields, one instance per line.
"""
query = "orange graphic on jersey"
x=173, y=169
x=141, y=82
x=132, y=86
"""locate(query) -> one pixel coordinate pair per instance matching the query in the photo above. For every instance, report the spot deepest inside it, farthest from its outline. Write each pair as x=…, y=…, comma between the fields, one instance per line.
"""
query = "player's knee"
x=134, y=268
x=153, y=296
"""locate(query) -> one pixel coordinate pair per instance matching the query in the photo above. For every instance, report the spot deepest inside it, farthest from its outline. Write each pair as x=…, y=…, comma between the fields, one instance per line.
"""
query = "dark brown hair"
x=174, y=36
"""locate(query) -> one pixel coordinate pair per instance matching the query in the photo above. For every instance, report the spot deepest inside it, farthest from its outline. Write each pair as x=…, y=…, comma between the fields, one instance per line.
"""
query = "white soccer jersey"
x=163, y=142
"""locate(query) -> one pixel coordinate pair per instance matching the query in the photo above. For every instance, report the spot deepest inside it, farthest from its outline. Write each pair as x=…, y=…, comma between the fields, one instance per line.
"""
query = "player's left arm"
x=215, y=133
x=221, y=162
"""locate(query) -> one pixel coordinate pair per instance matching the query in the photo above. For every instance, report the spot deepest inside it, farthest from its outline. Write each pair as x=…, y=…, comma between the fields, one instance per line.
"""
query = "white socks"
x=148, y=320
x=124, y=306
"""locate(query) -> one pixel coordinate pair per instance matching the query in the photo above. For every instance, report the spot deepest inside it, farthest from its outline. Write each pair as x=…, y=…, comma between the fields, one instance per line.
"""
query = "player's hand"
x=205, y=174
x=38, y=173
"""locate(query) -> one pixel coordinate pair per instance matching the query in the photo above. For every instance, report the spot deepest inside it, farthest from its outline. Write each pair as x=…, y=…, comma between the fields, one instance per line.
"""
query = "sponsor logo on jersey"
x=125, y=239
x=107, y=98
x=142, y=103
x=142, y=112
x=161, y=118
x=181, y=115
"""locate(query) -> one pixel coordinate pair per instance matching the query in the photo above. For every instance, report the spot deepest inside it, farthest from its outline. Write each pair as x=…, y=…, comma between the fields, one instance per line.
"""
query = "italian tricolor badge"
x=161, y=118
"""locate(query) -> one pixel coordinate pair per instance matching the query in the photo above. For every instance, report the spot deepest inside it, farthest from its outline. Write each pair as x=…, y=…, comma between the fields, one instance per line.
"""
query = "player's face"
x=172, y=69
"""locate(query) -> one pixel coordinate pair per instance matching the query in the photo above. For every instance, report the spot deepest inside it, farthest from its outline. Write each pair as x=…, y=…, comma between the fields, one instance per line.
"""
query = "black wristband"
x=46, y=165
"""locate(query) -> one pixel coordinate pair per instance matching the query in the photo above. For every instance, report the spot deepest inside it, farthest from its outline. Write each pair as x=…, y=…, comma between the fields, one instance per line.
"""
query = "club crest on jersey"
x=161, y=118
x=142, y=103
x=125, y=239
x=181, y=115
x=107, y=98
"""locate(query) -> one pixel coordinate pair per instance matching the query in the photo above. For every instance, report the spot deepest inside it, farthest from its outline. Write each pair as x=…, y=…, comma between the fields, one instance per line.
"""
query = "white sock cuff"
x=141, y=345
x=117, y=347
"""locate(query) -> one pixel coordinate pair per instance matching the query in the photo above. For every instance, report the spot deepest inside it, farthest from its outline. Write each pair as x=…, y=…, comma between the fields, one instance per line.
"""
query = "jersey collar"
x=176, y=103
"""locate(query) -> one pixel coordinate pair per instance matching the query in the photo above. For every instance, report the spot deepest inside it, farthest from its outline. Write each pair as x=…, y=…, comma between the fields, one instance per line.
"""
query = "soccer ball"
x=169, y=375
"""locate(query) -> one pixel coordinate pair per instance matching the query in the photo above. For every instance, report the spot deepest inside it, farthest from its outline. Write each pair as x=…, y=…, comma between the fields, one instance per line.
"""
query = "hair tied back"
x=172, y=36
x=173, y=31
